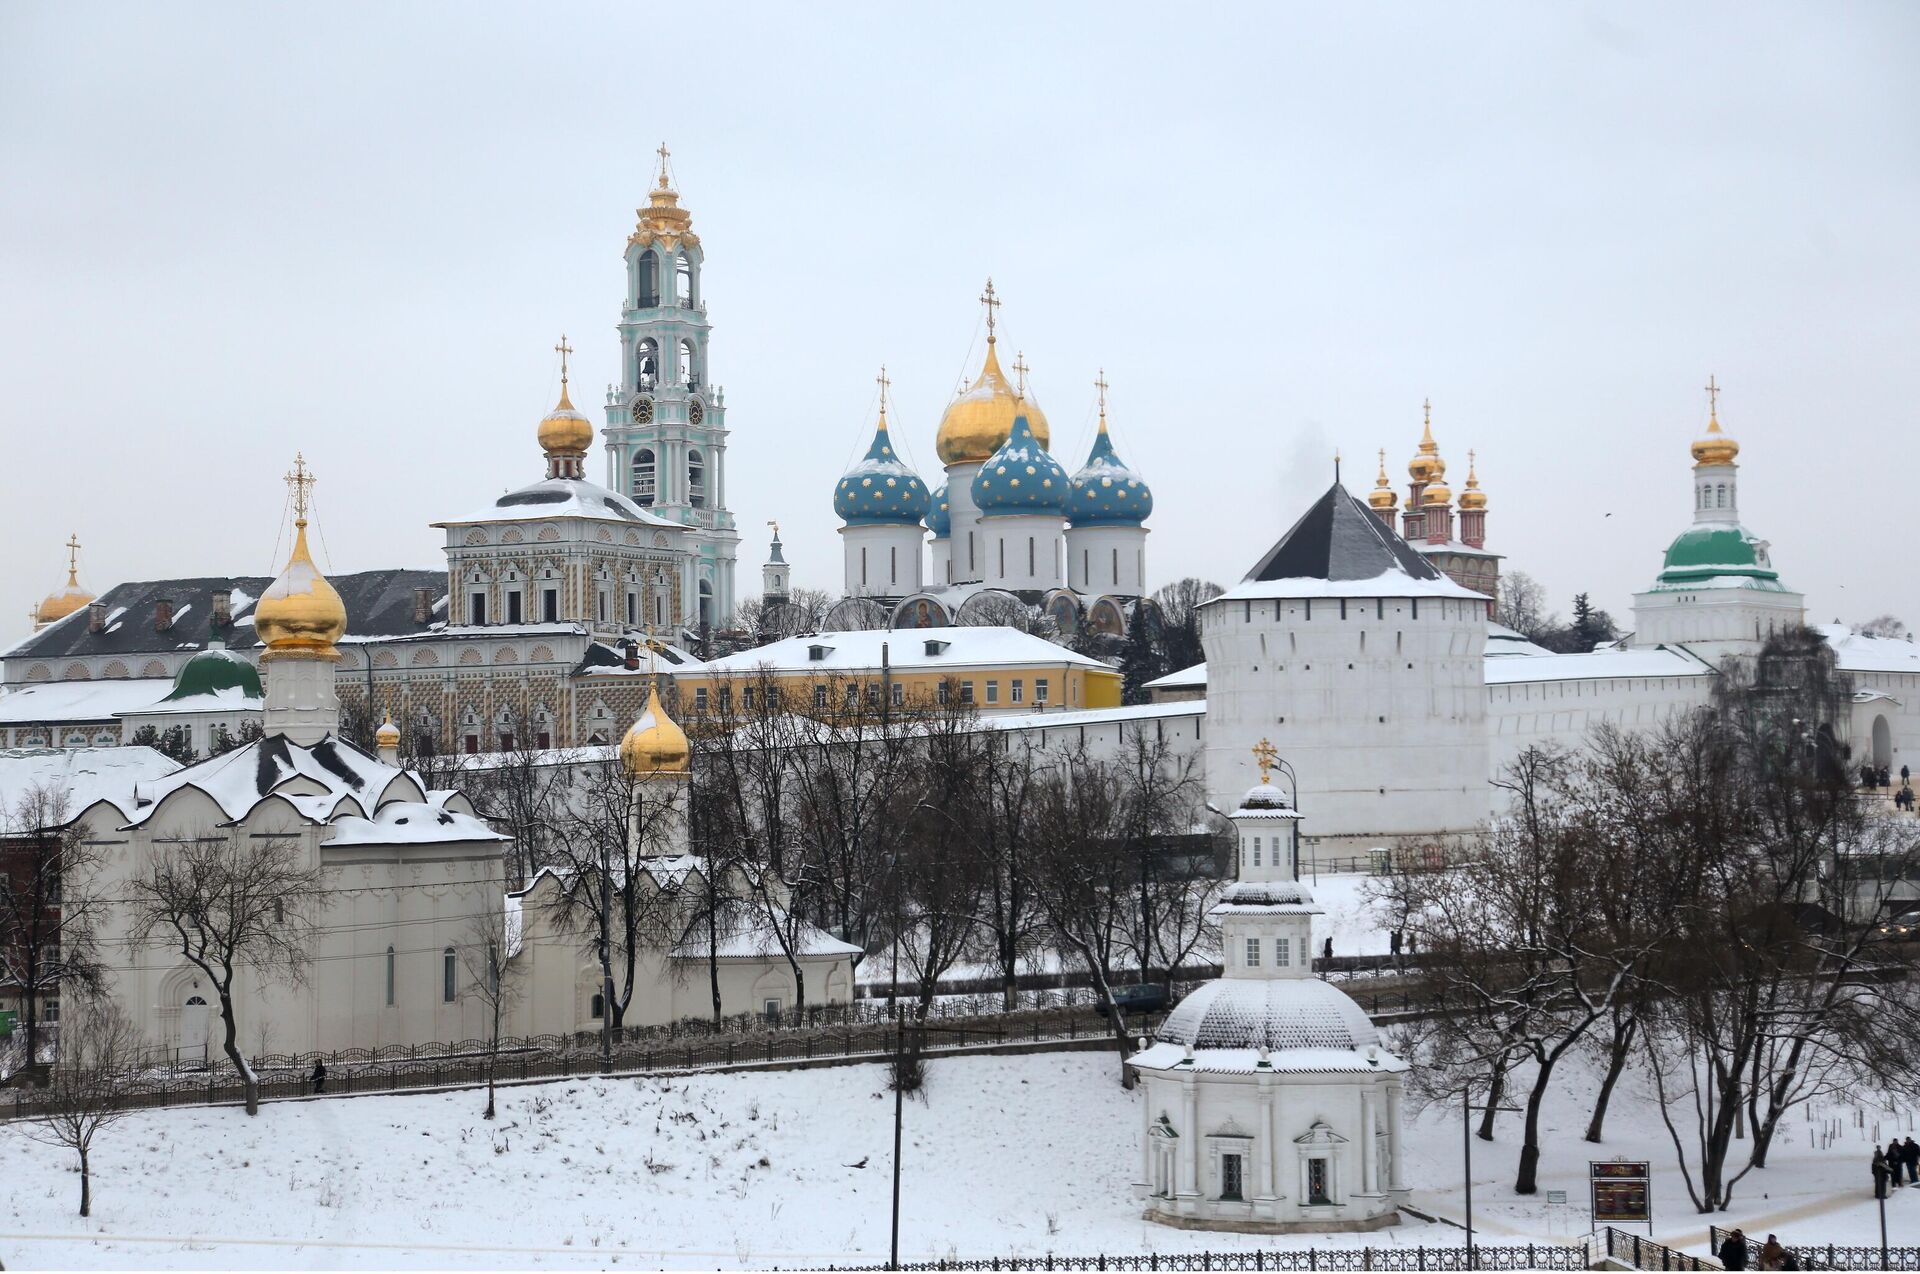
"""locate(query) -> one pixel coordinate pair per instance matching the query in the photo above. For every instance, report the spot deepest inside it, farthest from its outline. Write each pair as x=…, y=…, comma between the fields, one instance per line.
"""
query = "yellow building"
x=997, y=670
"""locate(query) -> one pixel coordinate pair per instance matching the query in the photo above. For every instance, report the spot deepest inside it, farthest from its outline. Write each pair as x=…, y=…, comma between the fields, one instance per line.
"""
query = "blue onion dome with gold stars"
x=1020, y=478
x=1106, y=492
x=940, y=517
x=881, y=490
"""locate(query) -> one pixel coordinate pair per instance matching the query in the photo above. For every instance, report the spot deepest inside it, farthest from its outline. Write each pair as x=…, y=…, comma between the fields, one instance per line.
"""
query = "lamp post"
x=1466, y=1150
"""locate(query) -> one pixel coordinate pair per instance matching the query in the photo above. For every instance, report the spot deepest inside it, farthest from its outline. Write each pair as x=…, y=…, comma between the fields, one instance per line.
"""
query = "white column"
x=1263, y=1147
x=1367, y=1183
x=1190, y=1130
x=1146, y=1138
x=1395, y=1177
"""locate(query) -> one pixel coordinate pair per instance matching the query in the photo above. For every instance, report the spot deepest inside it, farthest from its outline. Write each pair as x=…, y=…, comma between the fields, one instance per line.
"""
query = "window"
x=1030, y=566
x=1019, y=690
x=647, y=293
x=598, y=1009
x=726, y=698
x=853, y=694
x=771, y=1009
x=506, y=740
x=696, y=480
x=700, y=699
x=1230, y=1176
x=746, y=698
x=543, y=740
x=1256, y=851
x=513, y=606
x=1253, y=953
x=472, y=746
x=1282, y=952
x=477, y=608
x=449, y=976
x=643, y=477
x=633, y=608
x=600, y=606
x=50, y=1010
x=1040, y=690
x=493, y=967
x=966, y=692
x=819, y=696
x=390, y=970
x=993, y=692
x=1317, y=1182
x=899, y=695
x=550, y=605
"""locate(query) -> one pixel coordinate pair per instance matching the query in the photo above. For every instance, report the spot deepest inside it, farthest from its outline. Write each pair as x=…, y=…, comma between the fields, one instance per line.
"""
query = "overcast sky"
x=227, y=232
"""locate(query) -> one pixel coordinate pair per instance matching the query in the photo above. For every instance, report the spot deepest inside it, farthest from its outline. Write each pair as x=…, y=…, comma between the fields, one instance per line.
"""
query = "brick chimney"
x=96, y=617
x=222, y=608
x=633, y=656
x=162, y=615
x=422, y=606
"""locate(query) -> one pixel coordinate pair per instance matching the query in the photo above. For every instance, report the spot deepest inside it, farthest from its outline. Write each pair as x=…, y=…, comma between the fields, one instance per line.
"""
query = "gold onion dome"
x=655, y=743
x=663, y=219
x=300, y=613
x=981, y=418
x=1426, y=465
x=63, y=602
x=388, y=735
x=1714, y=447
x=564, y=431
x=1473, y=497
x=1382, y=497
x=1437, y=494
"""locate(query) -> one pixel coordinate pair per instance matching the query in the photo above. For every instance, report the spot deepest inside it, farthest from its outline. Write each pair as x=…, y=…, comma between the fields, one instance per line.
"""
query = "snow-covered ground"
x=1006, y=1155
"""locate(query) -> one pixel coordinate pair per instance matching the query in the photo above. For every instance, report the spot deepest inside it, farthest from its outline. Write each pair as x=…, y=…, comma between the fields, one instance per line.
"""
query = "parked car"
x=1903, y=926
x=1136, y=998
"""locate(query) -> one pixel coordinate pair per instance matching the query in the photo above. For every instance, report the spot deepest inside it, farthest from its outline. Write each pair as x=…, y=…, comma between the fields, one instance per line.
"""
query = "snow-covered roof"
x=1388, y=583
x=409, y=823
x=57, y=701
x=1247, y=1061
x=83, y=775
x=1339, y=548
x=1659, y=661
x=1460, y=547
x=1854, y=653
x=907, y=650
x=1194, y=678
x=226, y=699
x=1503, y=641
x=1267, y=898
x=1281, y=1013
x=563, y=498
x=1096, y=716
x=238, y=780
x=748, y=934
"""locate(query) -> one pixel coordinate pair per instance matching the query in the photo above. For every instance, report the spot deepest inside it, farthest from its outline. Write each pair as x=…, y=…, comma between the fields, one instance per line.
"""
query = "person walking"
x=319, y=1076
x=1879, y=1175
x=1326, y=949
x=1905, y=775
x=1733, y=1251
x=1772, y=1255
x=1910, y=1156
x=1895, y=1157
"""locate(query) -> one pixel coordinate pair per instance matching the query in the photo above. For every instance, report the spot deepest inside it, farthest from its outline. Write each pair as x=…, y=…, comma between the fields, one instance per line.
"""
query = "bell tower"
x=666, y=434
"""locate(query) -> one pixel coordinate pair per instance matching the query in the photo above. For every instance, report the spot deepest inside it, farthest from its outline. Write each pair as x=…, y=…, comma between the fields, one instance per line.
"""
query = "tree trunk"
x=231, y=1042
x=86, y=1185
x=1527, y=1180
x=1496, y=1088
x=713, y=953
x=1616, y=1063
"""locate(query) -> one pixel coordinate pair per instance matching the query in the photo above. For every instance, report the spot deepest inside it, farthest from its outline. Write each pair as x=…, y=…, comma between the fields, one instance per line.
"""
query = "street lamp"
x=1466, y=1149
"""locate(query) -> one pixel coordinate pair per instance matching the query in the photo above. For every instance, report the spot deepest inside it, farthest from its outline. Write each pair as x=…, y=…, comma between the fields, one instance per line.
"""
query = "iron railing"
x=1513, y=1256
x=1829, y=1256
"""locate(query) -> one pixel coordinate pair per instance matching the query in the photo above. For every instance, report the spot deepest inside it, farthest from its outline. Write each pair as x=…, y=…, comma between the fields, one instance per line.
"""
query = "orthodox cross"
x=885, y=384
x=73, y=553
x=300, y=482
x=992, y=302
x=1100, y=384
x=1264, y=756
x=775, y=526
x=1426, y=413
x=662, y=152
x=563, y=349
x=1713, y=398
x=1020, y=372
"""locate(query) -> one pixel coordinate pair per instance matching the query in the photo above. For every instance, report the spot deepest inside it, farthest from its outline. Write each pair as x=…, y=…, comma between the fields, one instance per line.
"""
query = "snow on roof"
x=563, y=498
x=238, y=780
x=1660, y=661
x=751, y=935
x=1165, y=1056
x=84, y=775
x=1281, y=1013
x=1391, y=582
x=1503, y=641
x=907, y=649
x=1194, y=678
x=1095, y=716
x=56, y=701
x=1855, y=653
x=226, y=699
x=409, y=823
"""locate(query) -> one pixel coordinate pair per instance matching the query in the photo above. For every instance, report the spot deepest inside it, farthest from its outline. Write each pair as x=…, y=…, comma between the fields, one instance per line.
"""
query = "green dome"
x=211, y=671
x=1711, y=550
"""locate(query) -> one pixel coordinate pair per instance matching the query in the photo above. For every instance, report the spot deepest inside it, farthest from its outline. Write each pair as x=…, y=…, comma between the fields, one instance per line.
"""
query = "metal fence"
x=638, y=1052
x=1830, y=1256
x=1514, y=1256
x=1644, y=1254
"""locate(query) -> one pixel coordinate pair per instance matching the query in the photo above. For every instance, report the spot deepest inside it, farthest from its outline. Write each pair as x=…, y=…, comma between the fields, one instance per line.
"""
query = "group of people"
x=1871, y=777
x=1888, y=1163
x=1733, y=1253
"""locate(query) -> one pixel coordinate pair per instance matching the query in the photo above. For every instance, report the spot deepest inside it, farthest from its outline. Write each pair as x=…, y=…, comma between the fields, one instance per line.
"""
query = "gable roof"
x=1341, y=548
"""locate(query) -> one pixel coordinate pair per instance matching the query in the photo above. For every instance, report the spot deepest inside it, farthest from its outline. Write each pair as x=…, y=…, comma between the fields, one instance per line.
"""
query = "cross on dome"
x=300, y=481
x=73, y=554
x=1100, y=385
x=1713, y=398
x=664, y=154
x=1020, y=372
x=1265, y=755
x=885, y=384
x=563, y=349
x=992, y=302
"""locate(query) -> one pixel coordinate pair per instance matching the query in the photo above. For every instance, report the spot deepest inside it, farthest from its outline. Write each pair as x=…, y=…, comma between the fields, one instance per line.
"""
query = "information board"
x=1621, y=1191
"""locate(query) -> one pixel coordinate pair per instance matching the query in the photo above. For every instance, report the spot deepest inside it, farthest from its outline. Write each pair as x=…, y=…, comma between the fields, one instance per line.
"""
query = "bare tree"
x=1178, y=620
x=943, y=868
x=1008, y=802
x=230, y=904
x=49, y=909
x=99, y=1050
x=1522, y=605
x=485, y=955
x=521, y=792
x=1882, y=626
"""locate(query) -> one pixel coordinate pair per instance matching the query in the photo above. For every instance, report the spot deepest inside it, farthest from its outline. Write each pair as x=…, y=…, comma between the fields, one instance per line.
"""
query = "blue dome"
x=939, y=517
x=880, y=490
x=1106, y=492
x=1020, y=478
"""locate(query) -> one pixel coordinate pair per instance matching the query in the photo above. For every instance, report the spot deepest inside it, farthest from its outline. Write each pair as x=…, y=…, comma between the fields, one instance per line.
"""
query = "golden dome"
x=1436, y=495
x=388, y=735
x=564, y=431
x=981, y=418
x=1473, y=497
x=655, y=743
x=300, y=611
x=1426, y=465
x=1714, y=447
x=63, y=602
x=1382, y=496
x=663, y=220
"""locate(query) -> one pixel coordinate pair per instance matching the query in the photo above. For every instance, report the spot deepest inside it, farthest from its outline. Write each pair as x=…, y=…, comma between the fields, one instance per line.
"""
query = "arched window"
x=646, y=364
x=1720, y=496
x=648, y=284
x=706, y=604
x=599, y=1006
x=688, y=365
x=696, y=480
x=643, y=485
x=683, y=280
x=449, y=976
x=389, y=977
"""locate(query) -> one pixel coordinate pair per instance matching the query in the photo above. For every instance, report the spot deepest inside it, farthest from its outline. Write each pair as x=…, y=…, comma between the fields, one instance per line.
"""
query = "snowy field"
x=1007, y=1155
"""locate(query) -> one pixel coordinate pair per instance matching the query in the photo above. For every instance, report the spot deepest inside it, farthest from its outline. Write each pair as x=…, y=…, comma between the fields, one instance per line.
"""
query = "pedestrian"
x=1410, y=941
x=1866, y=776
x=319, y=1076
x=1879, y=1174
x=1904, y=776
x=1772, y=1255
x=1393, y=944
x=1910, y=1156
x=1733, y=1252
x=1326, y=949
x=1886, y=779
x=1896, y=1155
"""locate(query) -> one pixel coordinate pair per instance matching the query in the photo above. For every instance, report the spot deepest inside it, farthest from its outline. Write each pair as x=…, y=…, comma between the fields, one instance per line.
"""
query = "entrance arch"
x=194, y=1020
x=1882, y=743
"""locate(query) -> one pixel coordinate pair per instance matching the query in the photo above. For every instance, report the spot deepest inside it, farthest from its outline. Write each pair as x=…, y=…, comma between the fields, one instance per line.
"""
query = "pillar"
x=1190, y=1132
x=1145, y=1184
x=1264, y=1140
x=1396, y=1179
x=1368, y=1169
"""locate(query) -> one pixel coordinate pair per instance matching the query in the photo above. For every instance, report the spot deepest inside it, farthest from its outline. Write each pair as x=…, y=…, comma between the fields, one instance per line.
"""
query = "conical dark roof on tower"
x=1339, y=538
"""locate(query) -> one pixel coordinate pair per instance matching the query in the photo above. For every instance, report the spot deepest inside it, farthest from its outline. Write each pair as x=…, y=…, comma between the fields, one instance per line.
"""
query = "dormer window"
x=817, y=652
x=937, y=647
